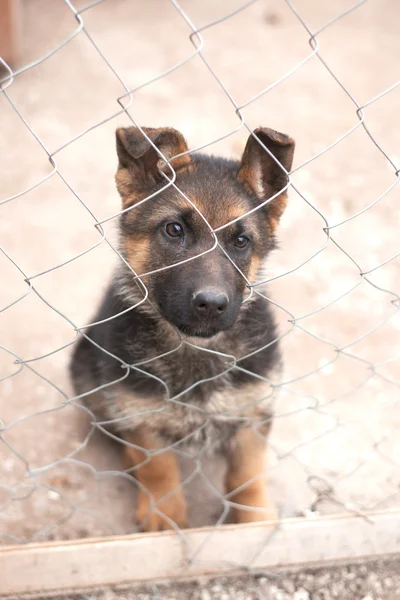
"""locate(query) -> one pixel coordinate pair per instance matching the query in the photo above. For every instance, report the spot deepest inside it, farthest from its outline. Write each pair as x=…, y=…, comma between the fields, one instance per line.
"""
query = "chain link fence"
x=333, y=284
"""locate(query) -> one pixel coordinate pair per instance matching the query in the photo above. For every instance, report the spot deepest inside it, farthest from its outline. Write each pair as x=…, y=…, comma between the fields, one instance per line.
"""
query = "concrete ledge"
x=146, y=557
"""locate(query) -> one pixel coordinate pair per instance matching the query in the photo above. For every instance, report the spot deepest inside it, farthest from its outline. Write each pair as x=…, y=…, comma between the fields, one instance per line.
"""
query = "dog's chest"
x=204, y=396
x=208, y=423
x=194, y=374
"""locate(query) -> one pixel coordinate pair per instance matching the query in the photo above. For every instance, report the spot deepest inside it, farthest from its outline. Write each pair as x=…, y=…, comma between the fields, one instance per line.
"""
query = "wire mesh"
x=333, y=287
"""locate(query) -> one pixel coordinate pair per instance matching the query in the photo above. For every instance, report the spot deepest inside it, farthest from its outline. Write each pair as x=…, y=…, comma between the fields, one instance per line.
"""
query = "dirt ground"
x=335, y=443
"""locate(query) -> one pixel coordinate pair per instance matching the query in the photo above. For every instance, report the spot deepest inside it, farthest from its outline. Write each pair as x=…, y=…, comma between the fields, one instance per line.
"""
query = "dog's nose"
x=209, y=303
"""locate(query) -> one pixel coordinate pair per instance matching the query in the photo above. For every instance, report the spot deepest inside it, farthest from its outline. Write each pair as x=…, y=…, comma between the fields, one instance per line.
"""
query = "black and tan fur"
x=194, y=322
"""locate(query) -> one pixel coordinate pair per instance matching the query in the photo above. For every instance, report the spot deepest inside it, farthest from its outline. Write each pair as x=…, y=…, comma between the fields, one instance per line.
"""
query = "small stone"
x=301, y=594
x=53, y=495
x=388, y=582
x=288, y=586
x=273, y=19
x=8, y=464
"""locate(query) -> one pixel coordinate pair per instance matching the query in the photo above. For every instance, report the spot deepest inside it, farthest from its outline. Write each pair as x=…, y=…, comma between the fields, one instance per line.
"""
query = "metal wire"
x=325, y=491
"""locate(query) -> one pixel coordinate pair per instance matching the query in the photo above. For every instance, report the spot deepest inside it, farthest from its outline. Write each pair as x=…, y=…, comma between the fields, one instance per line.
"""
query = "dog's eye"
x=241, y=241
x=174, y=230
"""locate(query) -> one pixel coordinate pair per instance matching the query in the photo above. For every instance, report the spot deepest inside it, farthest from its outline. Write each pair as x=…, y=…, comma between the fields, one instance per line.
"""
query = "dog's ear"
x=140, y=165
x=262, y=174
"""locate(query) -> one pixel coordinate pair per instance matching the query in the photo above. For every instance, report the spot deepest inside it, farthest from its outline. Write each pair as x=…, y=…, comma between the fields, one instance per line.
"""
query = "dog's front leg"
x=160, y=501
x=246, y=474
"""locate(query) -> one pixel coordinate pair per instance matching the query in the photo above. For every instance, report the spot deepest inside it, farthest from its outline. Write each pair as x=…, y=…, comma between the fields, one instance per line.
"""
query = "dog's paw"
x=164, y=515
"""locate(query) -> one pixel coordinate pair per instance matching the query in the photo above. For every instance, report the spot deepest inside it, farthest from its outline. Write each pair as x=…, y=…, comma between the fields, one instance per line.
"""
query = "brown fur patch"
x=275, y=210
x=254, y=267
x=159, y=477
x=246, y=461
x=137, y=252
x=163, y=211
x=220, y=216
x=180, y=164
x=125, y=188
x=248, y=180
x=189, y=167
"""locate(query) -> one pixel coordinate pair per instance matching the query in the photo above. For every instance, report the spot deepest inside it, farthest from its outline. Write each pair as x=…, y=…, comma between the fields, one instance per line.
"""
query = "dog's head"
x=209, y=220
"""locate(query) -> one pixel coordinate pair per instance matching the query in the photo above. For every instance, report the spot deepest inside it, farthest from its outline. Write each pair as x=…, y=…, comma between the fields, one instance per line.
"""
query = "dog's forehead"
x=221, y=211
x=216, y=213
x=219, y=201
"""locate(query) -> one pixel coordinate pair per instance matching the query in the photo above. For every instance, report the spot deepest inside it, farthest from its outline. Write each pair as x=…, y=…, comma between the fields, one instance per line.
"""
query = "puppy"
x=183, y=349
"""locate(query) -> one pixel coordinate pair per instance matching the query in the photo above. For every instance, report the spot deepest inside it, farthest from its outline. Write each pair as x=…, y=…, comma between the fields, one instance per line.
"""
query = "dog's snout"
x=210, y=303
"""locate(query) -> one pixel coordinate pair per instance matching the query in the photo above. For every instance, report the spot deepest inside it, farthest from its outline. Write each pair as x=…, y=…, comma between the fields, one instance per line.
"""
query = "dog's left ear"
x=262, y=174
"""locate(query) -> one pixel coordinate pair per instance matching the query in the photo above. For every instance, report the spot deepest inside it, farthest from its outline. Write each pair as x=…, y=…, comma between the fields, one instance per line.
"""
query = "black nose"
x=209, y=303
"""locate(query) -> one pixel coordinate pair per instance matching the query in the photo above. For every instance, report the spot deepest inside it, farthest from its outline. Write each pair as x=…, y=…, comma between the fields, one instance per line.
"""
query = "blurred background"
x=335, y=445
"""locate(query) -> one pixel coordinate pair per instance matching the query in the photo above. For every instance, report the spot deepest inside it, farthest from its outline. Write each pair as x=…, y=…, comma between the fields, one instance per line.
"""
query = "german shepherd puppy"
x=192, y=361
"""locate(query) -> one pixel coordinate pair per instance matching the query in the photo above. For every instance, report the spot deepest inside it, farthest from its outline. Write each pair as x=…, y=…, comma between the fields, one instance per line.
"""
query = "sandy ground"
x=335, y=443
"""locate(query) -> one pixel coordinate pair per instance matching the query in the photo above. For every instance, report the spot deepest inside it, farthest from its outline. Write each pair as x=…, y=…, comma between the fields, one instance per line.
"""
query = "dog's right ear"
x=140, y=165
